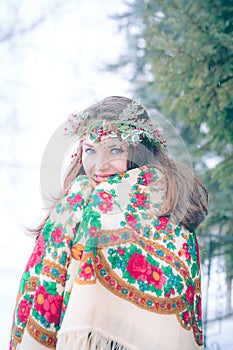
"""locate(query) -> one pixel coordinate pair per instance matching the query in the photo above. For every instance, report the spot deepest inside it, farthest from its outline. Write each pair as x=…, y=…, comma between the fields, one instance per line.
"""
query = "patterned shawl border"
x=42, y=336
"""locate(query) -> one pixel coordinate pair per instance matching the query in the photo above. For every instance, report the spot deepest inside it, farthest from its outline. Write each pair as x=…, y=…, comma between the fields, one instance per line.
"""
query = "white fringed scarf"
x=129, y=278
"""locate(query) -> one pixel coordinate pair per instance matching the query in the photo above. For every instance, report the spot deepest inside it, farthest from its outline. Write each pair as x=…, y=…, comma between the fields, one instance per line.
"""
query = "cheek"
x=120, y=164
x=86, y=165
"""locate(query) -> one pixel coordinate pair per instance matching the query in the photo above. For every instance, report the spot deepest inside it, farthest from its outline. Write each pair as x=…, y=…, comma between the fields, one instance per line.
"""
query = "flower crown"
x=128, y=127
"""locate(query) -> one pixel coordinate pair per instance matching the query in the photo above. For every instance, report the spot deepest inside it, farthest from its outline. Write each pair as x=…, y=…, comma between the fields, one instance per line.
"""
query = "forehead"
x=106, y=142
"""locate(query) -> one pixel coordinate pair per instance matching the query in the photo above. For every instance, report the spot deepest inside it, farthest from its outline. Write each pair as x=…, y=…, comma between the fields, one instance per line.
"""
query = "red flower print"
x=157, y=277
x=52, y=308
x=199, y=309
x=23, y=310
x=131, y=220
x=163, y=220
x=87, y=271
x=93, y=232
x=186, y=317
x=190, y=294
x=150, y=248
x=46, y=268
x=141, y=198
x=63, y=278
x=106, y=197
x=138, y=267
x=48, y=305
x=57, y=235
x=147, y=178
x=76, y=200
x=185, y=251
x=105, y=207
x=40, y=297
x=37, y=253
x=115, y=238
x=121, y=251
x=172, y=291
x=184, y=272
x=169, y=257
x=163, y=223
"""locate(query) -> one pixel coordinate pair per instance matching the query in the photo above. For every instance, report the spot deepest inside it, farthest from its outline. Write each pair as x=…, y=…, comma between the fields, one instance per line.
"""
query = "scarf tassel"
x=87, y=340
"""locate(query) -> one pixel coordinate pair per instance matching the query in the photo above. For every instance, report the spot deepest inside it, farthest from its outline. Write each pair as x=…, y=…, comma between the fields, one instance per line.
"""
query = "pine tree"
x=180, y=57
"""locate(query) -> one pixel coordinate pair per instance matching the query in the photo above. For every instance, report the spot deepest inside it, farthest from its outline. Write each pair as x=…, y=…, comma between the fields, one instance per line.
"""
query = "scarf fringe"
x=87, y=340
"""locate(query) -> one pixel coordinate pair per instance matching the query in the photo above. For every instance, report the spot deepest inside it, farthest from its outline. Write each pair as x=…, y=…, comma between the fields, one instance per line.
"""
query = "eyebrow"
x=87, y=144
x=114, y=145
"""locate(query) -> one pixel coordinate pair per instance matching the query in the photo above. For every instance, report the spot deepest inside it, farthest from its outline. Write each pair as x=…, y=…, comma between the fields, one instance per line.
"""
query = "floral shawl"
x=107, y=272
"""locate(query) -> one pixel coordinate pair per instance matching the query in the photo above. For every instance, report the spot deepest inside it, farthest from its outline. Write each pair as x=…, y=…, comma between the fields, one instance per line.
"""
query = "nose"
x=102, y=164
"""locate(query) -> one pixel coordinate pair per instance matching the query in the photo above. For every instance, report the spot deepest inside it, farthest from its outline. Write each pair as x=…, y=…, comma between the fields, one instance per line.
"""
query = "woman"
x=116, y=263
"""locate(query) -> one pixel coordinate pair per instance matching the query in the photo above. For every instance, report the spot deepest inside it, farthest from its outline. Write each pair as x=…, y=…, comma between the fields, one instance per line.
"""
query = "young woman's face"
x=101, y=160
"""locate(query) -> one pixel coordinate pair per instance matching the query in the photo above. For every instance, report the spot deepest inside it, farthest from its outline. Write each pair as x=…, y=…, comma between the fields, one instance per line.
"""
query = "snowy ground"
x=220, y=335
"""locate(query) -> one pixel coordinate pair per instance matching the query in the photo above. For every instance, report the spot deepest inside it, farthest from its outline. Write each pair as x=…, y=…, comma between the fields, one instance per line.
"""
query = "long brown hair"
x=186, y=198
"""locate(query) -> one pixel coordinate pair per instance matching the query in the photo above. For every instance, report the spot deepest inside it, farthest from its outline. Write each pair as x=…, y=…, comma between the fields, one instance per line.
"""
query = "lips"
x=102, y=177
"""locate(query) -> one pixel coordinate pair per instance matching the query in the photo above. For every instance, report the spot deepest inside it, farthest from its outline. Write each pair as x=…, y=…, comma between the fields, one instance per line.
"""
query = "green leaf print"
x=127, y=276
x=95, y=222
x=152, y=261
x=51, y=287
x=167, y=271
x=133, y=249
x=194, y=270
x=26, y=277
x=38, y=268
x=113, y=193
x=48, y=229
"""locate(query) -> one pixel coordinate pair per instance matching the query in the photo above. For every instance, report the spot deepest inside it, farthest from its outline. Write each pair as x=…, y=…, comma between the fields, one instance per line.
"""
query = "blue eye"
x=117, y=150
x=89, y=150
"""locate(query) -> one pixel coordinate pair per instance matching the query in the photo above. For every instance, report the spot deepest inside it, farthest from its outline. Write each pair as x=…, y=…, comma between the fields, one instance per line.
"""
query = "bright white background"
x=45, y=75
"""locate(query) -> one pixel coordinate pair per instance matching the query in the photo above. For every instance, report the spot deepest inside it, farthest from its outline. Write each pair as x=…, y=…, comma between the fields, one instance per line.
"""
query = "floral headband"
x=128, y=127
